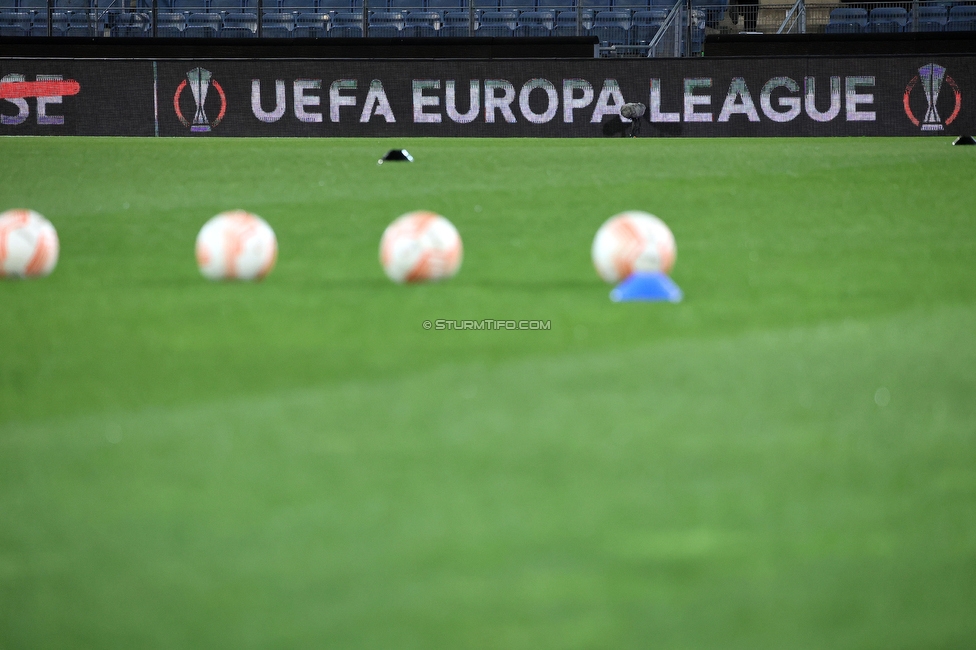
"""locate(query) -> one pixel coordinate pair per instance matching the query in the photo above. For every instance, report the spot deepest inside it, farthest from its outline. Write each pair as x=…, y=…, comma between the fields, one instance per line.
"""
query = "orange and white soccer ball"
x=633, y=241
x=236, y=245
x=29, y=245
x=420, y=246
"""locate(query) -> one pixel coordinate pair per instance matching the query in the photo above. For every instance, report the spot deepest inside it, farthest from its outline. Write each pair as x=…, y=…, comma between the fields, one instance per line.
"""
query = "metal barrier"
x=795, y=21
x=668, y=41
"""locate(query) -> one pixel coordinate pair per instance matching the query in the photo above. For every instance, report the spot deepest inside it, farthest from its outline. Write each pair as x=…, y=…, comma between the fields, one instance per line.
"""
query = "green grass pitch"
x=787, y=459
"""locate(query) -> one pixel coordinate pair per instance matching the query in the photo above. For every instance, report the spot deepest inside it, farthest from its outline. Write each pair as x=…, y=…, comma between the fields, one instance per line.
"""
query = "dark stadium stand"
x=535, y=23
x=888, y=19
x=612, y=20
x=421, y=24
x=498, y=23
x=932, y=19
x=962, y=19
x=623, y=27
x=865, y=44
x=847, y=21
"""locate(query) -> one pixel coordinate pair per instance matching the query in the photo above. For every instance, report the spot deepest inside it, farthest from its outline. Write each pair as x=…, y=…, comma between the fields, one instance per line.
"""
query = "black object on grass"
x=394, y=155
x=965, y=139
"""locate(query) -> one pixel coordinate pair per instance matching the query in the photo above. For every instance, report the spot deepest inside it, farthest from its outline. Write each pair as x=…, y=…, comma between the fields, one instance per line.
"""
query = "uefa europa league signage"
x=932, y=77
x=696, y=97
x=199, y=81
x=199, y=84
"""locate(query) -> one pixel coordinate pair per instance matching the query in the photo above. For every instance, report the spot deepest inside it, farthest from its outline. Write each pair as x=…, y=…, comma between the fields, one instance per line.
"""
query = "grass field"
x=787, y=459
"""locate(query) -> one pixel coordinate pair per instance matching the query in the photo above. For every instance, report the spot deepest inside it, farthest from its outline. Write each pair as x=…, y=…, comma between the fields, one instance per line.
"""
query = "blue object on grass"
x=650, y=287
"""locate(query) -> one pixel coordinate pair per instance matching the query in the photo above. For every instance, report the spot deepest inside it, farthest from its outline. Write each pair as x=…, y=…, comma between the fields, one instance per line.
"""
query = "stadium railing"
x=795, y=21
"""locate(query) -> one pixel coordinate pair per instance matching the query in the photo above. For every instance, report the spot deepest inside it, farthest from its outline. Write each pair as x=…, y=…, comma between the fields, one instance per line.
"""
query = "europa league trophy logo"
x=200, y=83
x=932, y=76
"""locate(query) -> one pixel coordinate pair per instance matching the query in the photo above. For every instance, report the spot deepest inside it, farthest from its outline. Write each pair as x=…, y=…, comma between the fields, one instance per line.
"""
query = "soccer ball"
x=236, y=245
x=420, y=246
x=632, y=241
x=29, y=245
